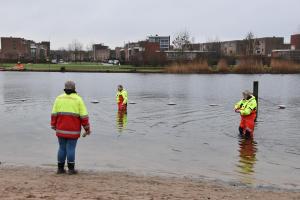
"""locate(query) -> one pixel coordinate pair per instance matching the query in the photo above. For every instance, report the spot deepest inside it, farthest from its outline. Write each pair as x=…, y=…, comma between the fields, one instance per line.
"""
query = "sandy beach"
x=41, y=183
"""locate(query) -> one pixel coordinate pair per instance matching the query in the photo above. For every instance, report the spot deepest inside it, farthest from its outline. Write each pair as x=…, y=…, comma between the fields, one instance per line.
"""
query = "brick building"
x=287, y=54
x=164, y=41
x=233, y=48
x=295, y=41
x=256, y=46
x=188, y=55
x=13, y=49
x=119, y=51
x=210, y=46
x=293, y=53
x=101, y=53
x=264, y=46
x=144, y=52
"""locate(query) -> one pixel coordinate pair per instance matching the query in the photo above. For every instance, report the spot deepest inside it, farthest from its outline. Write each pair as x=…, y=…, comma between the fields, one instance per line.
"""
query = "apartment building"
x=21, y=49
x=164, y=41
x=101, y=53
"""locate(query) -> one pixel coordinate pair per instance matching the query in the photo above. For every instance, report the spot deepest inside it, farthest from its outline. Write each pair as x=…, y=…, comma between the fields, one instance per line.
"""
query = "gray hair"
x=247, y=93
x=70, y=85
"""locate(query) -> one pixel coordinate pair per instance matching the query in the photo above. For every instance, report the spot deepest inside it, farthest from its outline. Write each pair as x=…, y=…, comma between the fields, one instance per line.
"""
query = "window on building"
x=33, y=52
x=14, y=45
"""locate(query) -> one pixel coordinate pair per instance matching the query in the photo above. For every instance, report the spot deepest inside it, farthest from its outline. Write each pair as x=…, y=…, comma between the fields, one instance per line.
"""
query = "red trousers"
x=122, y=107
x=247, y=123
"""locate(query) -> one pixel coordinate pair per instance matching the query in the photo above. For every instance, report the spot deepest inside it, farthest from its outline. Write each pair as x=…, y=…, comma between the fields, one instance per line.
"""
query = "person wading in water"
x=247, y=109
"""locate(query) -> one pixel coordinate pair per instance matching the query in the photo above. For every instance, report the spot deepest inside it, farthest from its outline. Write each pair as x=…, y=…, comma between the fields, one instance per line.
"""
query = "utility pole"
x=255, y=93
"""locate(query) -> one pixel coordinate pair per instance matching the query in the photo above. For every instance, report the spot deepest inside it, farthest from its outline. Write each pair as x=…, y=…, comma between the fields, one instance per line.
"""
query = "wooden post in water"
x=255, y=93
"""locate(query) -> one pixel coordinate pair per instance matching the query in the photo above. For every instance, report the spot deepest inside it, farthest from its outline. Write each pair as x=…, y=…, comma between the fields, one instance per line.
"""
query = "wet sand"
x=41, y=183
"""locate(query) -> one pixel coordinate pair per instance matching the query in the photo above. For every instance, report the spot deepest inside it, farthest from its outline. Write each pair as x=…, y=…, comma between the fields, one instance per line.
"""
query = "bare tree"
x=76, y=48
x=249, y=43
x=62, y=55
x=182, y=41
x=89, y=49
x=249, y=36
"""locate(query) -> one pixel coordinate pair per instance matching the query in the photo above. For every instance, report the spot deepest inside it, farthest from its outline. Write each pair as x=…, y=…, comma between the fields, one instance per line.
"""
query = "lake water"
x=189, y=139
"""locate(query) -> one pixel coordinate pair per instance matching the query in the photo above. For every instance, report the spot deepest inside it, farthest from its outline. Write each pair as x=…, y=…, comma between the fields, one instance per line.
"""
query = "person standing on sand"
x=247, y=109
x=68, y=115
x=122, y=99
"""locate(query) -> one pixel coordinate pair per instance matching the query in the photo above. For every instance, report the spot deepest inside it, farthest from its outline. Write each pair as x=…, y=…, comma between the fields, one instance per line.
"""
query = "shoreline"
x=90, y=71
x=142, y=71
x=246, y=65
x=22, y=182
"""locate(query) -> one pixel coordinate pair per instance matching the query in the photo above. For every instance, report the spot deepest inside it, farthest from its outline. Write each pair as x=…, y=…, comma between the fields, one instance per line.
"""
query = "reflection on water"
x=247, y=150
x=121, y=120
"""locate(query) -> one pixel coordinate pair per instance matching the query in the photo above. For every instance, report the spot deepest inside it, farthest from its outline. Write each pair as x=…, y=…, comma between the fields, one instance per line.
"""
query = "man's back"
x=68, y=103
x=68, y=115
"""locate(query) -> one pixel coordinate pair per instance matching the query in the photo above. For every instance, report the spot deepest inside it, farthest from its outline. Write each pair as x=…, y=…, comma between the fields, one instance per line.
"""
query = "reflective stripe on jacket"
x=122, y=95
x=68, y=115
x=246, y=106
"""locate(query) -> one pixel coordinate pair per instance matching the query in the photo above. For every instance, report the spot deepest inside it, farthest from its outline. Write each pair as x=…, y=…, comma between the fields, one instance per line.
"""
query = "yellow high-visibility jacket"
x=246, y=106
x=68, y=115
x=122, y=97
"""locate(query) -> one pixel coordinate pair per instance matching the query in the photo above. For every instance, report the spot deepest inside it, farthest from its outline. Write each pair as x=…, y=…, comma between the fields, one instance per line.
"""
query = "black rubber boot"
x=248, y=135
x=61, y=168
x=241, y=131
x=71, y=167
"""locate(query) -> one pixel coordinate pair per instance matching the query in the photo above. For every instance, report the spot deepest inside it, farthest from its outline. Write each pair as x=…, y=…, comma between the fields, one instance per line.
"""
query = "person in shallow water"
x=68, y=115
x=247, y=109
x=122, y=98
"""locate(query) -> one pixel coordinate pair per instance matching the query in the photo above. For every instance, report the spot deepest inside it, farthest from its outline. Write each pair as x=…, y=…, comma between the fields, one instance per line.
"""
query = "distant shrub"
x=249, y=65
x=191, y=67
x=222, y=66
x=62, y=69
x=284, y=66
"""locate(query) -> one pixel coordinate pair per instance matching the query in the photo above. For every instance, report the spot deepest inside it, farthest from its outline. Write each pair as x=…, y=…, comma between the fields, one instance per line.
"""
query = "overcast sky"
x=115, y=22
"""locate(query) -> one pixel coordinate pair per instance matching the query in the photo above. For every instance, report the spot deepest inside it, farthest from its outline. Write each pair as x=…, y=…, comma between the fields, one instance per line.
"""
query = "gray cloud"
x=114, y=22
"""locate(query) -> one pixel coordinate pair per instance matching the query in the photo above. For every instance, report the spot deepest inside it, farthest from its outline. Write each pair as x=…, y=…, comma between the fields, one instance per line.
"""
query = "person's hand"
x=237, y=111
x=87, y=132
